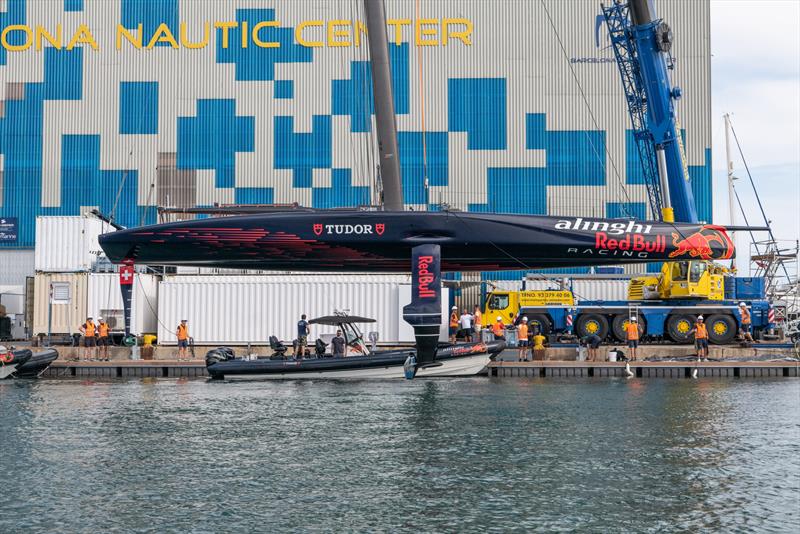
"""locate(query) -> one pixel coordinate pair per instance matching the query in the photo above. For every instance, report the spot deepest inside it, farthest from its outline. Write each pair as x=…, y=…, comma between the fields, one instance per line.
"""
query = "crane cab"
x=681, y=280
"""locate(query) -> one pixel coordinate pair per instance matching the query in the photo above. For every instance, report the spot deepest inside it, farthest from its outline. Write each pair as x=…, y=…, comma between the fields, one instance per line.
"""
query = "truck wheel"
x=591, y=323
x=678, y=328
x=721, y=329
x=542, y=322
x=620, y=322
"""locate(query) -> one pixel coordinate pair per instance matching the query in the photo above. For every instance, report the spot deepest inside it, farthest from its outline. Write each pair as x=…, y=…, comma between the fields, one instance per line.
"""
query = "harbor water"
x=447, y=455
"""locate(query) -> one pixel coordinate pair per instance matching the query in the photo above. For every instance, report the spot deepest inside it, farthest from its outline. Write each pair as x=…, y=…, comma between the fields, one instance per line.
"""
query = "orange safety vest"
x=477, y=317
x=523, y=332
x=453, y=320
x=89, y=327
x=183, y=332
x=498, y=328
x=701, y=333
x=103, y=328
x=746, y=316
x=633, y=331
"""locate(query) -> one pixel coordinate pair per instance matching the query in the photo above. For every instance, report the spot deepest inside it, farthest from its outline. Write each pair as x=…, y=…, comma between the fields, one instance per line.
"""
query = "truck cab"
x=537, y=305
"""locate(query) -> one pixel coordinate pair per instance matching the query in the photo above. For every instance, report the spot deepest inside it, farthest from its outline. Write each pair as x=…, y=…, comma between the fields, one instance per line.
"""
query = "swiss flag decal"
x=126, y=274
x=318, y=229
x=379, y=228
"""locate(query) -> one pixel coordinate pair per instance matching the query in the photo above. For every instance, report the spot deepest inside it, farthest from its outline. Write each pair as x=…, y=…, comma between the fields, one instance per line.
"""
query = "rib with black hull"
x=381, y=241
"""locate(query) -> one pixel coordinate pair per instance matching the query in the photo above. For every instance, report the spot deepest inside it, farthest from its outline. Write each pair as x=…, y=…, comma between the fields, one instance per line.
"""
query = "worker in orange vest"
x=183, y=340
x=453, y=323
x=102, y=338
x=477, y=324
x=632, y=331
x=522, y=340
x=499, y=329
x=700, y=338
x=747, y=322
x=89, y=331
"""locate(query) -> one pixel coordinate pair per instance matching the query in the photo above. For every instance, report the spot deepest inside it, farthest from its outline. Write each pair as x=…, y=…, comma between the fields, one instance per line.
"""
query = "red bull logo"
x=700, y=244
x=632, y=242
x=425, y=277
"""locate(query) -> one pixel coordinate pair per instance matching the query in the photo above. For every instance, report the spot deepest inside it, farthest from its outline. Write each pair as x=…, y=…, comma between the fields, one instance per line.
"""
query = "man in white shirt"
x=466, y=325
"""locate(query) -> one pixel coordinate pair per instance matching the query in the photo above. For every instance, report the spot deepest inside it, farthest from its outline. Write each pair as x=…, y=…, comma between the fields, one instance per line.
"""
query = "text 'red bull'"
x=632, y=242
x=699, y=244
x=425, y=277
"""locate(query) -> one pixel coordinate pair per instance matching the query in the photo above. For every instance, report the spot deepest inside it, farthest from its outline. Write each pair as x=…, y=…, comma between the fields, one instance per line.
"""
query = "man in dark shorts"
x=700, y=338
x=102, y=338
x=303, y=330
x=89, y=331
x=182, y=333
x=592, y=342
x=338, y=345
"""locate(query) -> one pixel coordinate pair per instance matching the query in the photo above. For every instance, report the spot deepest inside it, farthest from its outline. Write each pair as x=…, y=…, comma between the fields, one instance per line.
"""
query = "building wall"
x=499, y=124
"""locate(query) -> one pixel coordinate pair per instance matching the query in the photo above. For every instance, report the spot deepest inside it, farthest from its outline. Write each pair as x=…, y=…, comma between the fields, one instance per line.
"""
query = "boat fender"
x=410, y=367
x=694, y=373
x=628, y=372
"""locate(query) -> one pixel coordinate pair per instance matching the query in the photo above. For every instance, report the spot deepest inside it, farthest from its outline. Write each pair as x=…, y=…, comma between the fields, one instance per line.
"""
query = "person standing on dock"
x=700, y=338
x=102, y=338
x=476, y=322
x=466, y=325
x=89, y=329
x=539, y=350
x=499, y=329
x=522, y=340
x=453, y=325
x=747, y=322
x=303, y=330
x=592, y=342
x=632, y=331
x=182, y=334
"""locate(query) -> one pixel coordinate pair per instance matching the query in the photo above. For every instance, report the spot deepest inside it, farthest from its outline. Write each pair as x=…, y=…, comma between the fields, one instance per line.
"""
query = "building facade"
x=512, y=106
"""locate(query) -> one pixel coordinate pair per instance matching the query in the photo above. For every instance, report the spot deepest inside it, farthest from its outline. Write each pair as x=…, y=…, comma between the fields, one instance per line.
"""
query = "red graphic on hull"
x=698, y=244
x=632, y=242
x=380, y=228
x=425, y=277
x=318, y=229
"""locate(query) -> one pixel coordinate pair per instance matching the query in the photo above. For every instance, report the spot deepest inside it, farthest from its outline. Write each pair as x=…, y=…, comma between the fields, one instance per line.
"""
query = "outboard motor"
x=319, y=348
x=220, y=354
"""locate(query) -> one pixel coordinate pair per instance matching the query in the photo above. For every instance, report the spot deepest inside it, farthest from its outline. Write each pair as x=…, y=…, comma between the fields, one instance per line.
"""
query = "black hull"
x=378, y=360
x=349, y=241
x=36, y=365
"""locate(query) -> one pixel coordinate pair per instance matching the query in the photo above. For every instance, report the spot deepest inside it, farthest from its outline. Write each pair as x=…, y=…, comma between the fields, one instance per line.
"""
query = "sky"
x=755, y=76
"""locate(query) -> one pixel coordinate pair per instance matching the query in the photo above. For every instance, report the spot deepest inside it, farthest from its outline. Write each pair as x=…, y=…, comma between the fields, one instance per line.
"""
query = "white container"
x=104, y=299
x=236, y=310
x=68, y=244
x=16, y=266
x=68, y=310
x=612, y=356
x=12, y=299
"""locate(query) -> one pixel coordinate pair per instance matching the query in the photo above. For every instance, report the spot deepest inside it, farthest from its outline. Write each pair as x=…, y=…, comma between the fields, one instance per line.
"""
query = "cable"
x=425, y=184
x=589, y=109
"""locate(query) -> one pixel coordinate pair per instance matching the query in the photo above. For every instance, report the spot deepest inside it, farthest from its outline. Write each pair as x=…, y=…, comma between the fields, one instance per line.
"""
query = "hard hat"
x=742, y=305
x=454, y=308
x=99, y=318
x=699, y=317
x=524, y=319
x=634, y=319
x=88, y=318
x=499, y=318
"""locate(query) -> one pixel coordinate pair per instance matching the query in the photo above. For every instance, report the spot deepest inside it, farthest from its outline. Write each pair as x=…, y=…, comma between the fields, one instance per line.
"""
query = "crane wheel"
x=721, y=329
x=542, y=322
x=620, y=322
x=591, y=323
x=678, y=328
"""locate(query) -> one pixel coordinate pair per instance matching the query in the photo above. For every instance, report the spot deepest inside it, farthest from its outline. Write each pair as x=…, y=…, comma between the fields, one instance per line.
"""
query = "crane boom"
x=641, y=44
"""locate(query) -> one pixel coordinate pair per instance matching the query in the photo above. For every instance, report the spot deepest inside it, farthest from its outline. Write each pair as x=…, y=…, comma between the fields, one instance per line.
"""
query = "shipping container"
x=12, y=300
x=105, y=300
x=585, y=288
x=242, y=309
x=67, y=311
x=15, y=266
x=68, y=244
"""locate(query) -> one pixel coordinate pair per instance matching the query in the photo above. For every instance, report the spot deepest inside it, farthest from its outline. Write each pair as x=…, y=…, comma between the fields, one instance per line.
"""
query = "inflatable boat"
x=461, y=359
x=25, y=363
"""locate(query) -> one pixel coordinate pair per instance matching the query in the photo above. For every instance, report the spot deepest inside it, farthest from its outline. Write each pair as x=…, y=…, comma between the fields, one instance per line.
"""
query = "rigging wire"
x=589, y=109
x=758, y=198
